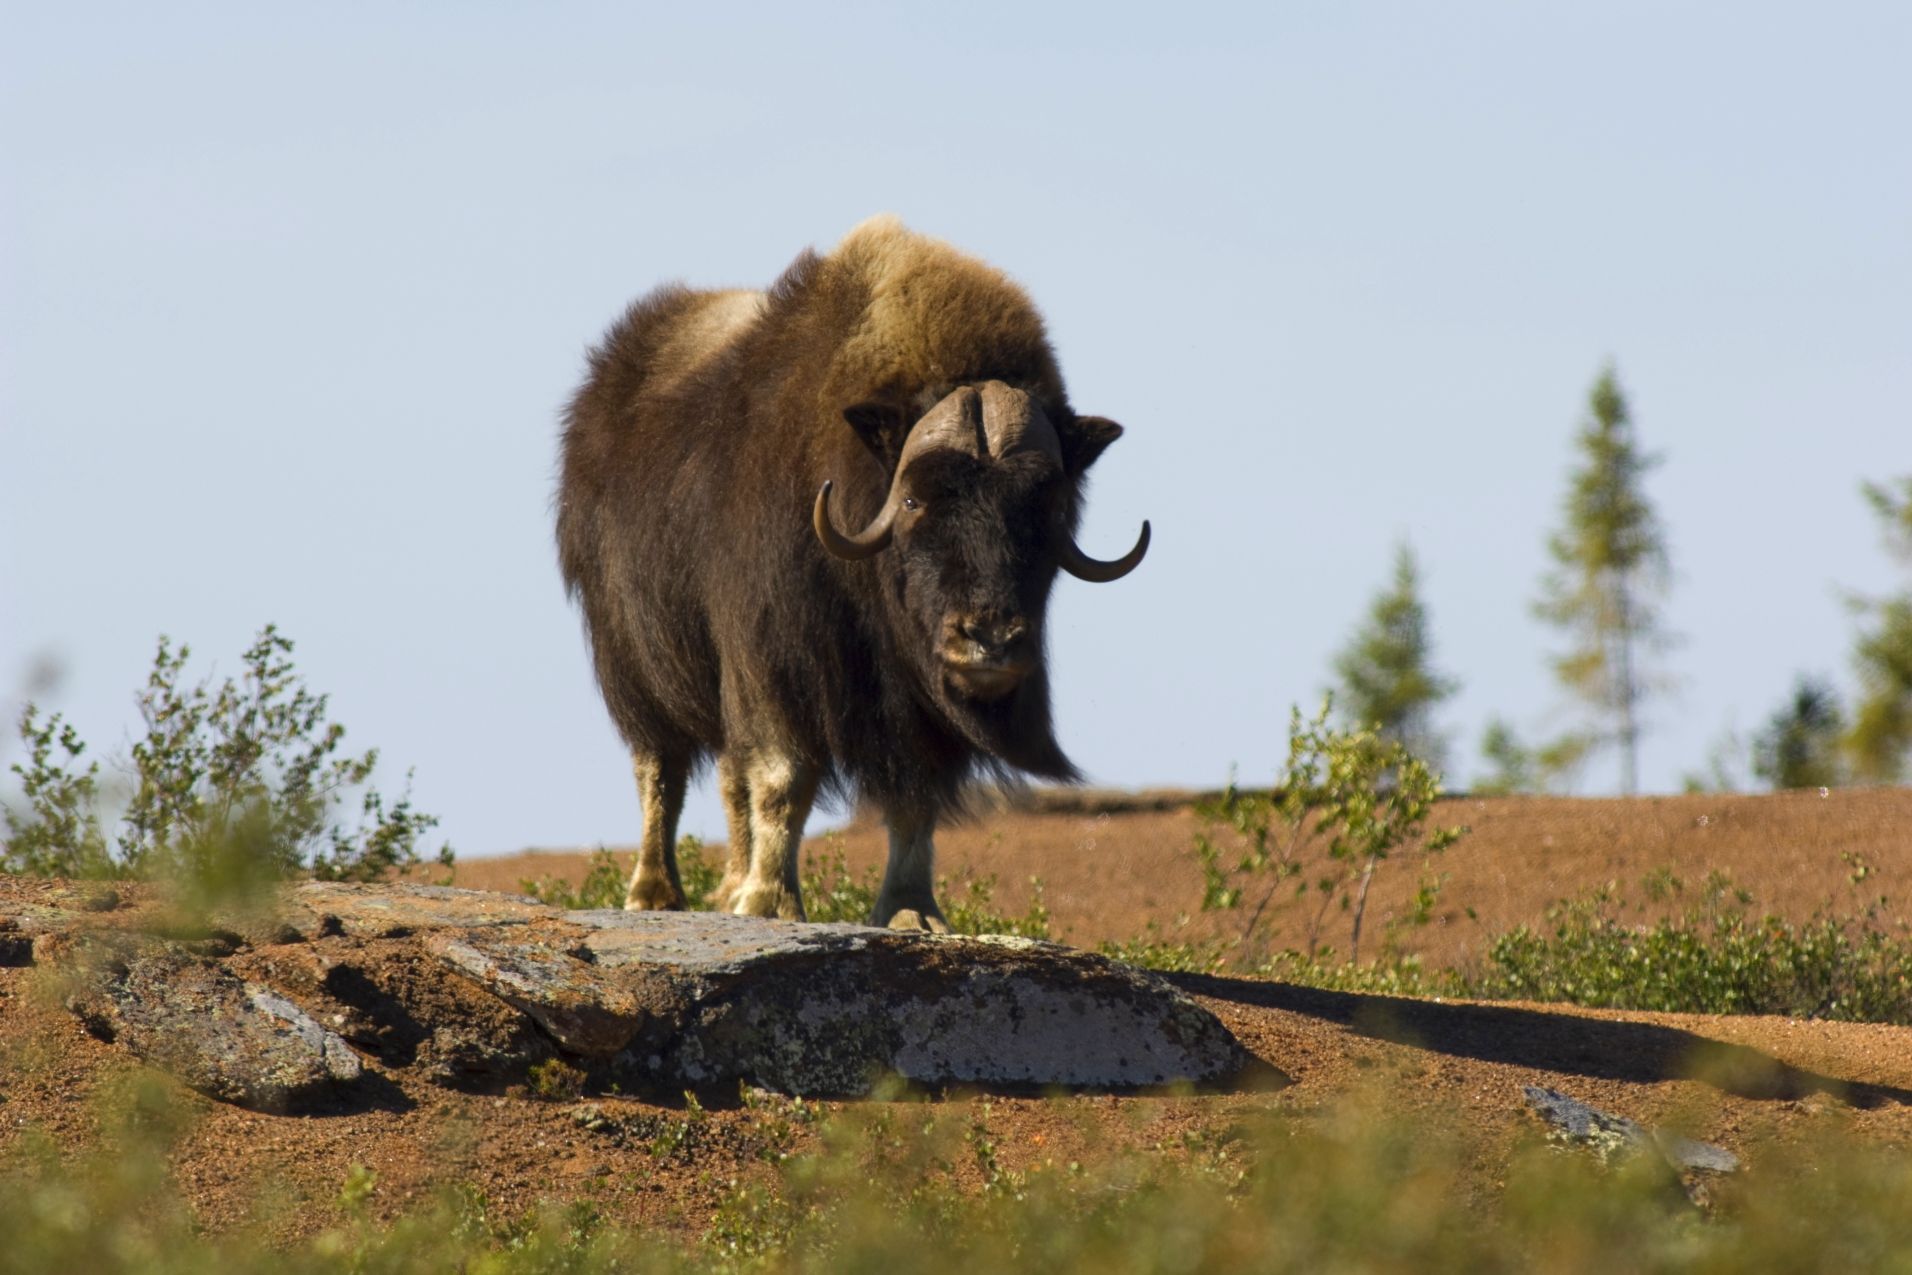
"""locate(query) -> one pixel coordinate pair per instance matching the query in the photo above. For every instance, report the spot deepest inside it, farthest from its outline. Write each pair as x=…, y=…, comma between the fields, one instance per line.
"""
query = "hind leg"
x=733, y=785
x=655, y=885
x=907, y=900
x=781, y=789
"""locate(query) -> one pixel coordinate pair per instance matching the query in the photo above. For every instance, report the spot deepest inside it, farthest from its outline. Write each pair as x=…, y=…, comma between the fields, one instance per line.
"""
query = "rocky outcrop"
x=468, y=988
x=223, y=1035
x=1614, y=1137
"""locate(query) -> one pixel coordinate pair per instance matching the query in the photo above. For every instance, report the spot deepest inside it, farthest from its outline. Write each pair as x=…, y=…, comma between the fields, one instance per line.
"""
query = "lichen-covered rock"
x=697, y=998
x=828, y=1009
x=226, y=1037
x=471, y=989
x=1615, y=1137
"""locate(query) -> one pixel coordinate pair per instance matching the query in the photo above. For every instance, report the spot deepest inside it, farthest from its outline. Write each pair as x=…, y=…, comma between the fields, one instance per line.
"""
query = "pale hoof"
x=654, y=895
x=920, y=922
x=773, y=901
x=725, y=895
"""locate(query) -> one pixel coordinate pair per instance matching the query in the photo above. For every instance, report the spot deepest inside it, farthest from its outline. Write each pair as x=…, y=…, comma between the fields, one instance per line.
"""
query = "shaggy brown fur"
x=718, y=624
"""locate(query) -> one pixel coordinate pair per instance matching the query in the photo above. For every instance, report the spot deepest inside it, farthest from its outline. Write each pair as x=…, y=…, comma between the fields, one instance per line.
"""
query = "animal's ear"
x=1084, y=439
x=882, y=428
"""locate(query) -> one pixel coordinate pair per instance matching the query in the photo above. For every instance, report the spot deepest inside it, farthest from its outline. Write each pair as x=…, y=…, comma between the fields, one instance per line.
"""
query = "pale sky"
x=291, y=298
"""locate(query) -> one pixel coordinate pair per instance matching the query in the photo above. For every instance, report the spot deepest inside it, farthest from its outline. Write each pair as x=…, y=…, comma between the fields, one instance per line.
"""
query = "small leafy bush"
x=974, y=911
x=1345, y=801
x=555, y=1080
x=243, y=782
x=58, y=833
x=1155, y=950
x=831, y=892
x=607, y=879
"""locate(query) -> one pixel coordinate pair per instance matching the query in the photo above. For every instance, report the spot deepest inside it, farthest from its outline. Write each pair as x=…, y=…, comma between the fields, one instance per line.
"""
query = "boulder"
x=1616, y=1137
x=691, y=999
x=829, y=1009
x=467, y=988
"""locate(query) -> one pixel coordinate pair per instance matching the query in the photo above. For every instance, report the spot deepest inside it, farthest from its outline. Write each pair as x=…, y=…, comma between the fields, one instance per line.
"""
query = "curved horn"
x=1094, y=570
x=865, y=544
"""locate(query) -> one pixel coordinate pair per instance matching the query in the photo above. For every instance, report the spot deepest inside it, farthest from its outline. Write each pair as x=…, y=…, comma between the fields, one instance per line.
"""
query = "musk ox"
x=720, y=442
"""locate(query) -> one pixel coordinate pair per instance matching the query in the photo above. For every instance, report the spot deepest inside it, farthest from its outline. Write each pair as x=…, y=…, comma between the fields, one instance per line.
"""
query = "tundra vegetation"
x=231, y=787
x=833, y=891
x=926, y=1185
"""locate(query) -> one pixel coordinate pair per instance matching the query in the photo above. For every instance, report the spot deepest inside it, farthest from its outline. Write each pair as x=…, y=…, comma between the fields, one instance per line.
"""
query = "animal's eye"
x=909, y=502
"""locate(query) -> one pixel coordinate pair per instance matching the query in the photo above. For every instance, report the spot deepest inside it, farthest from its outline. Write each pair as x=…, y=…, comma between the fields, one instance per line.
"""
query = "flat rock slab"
x=464, y=987
x=828, y=1009
x=689, y=999
x=382, y=910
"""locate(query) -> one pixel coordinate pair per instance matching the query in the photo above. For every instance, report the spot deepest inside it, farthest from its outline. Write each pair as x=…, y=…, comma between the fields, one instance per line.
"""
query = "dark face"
x=979, y=515
x=973, y=566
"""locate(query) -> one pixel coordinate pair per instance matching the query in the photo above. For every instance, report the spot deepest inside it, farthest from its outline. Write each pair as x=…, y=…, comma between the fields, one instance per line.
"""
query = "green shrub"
x=555, y=1080
x=230, y=785
x=604, y=884
x=1717, y=958
x=58, y=833
x=972, y=909
x=1154, y=950
x=1392, y=975
x=606, y=880
x=1344, y=802
x=831, y=892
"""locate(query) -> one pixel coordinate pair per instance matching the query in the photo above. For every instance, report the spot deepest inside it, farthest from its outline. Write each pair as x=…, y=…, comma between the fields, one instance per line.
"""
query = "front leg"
x=907, y=900
x=733, y=785
x=782, y=788
x=655, y=886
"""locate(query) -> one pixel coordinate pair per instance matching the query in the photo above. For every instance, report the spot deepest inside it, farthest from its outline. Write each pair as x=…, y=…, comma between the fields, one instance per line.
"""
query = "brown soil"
x=1726, y=1080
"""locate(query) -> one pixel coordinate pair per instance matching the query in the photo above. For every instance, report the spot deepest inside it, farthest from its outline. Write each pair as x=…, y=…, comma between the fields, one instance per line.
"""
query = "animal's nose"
x=994, y=633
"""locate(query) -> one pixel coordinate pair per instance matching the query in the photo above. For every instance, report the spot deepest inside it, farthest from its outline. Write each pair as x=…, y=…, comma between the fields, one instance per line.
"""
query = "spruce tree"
x=1879, y=742
x=1512, y=761
x=1388, y=682
x=1522, y=768
x=1609, y=576
x=1799, y=747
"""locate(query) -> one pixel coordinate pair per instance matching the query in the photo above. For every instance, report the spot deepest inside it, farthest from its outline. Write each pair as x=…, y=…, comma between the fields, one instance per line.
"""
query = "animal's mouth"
x=984, y=680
